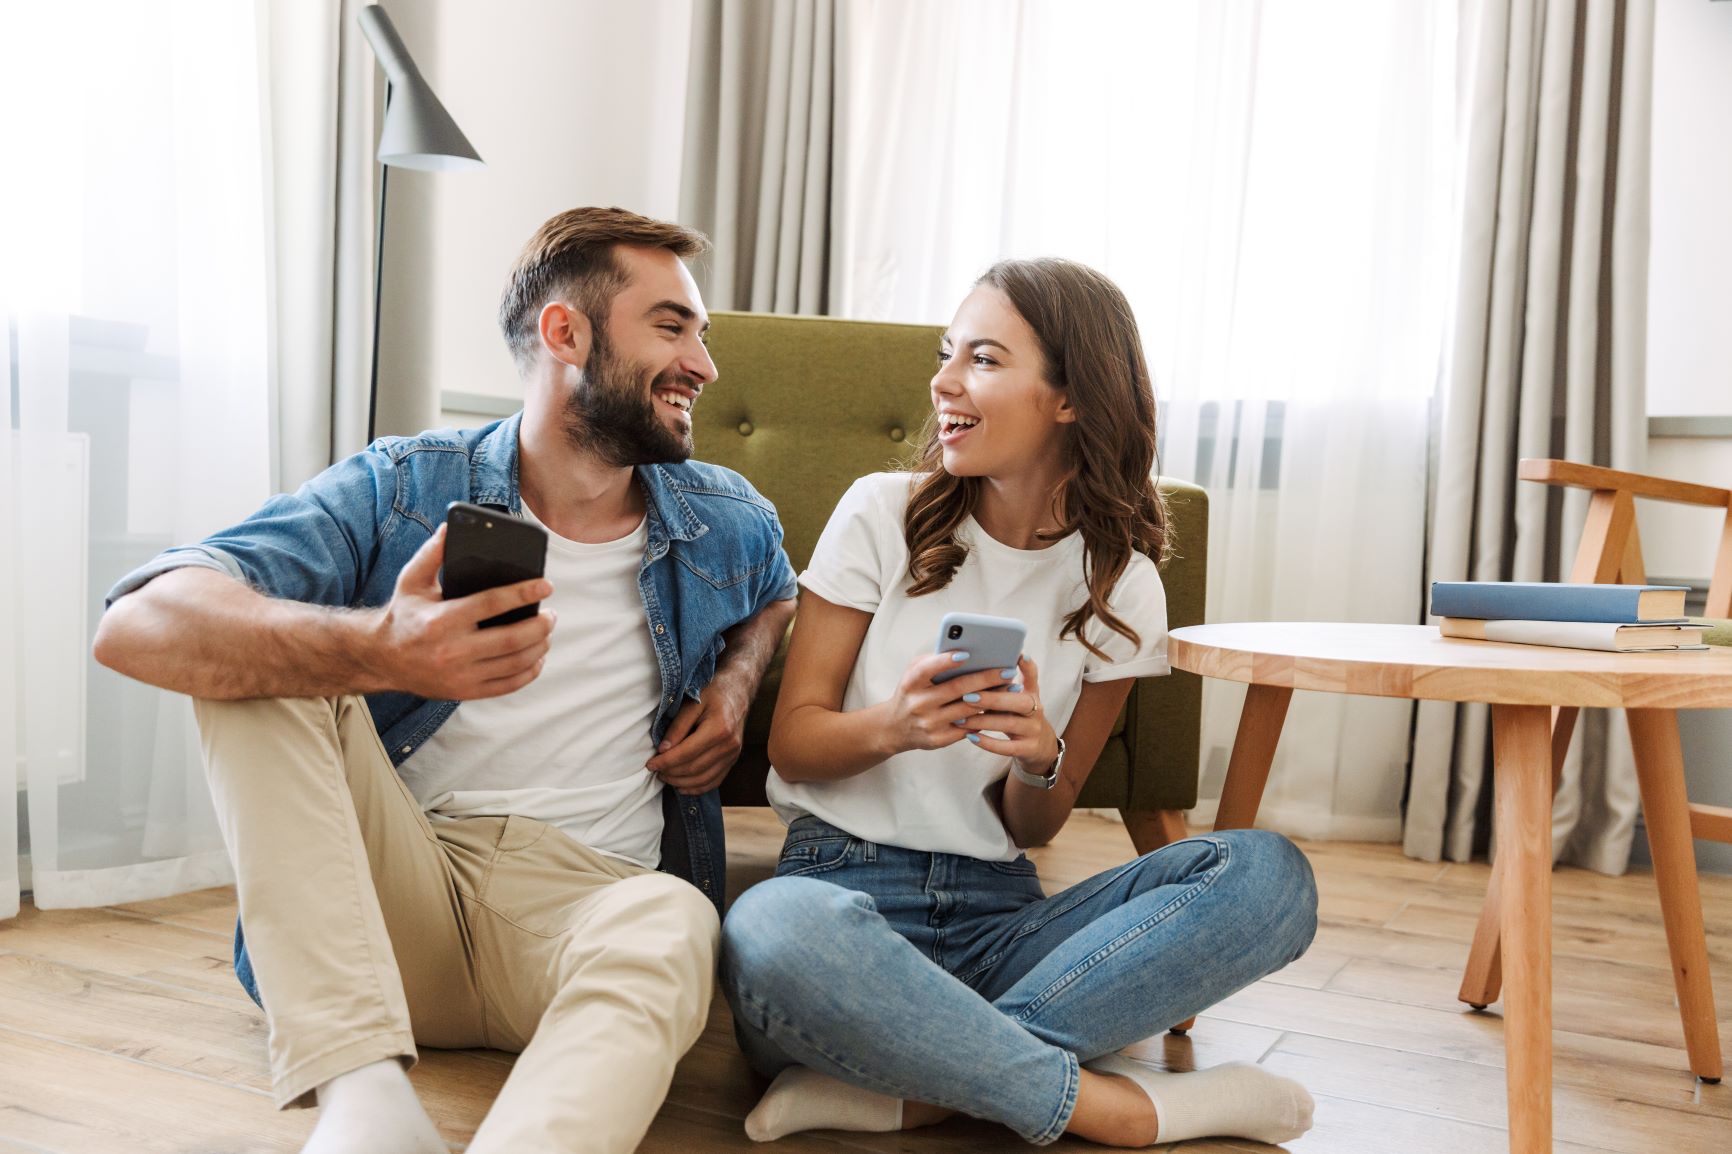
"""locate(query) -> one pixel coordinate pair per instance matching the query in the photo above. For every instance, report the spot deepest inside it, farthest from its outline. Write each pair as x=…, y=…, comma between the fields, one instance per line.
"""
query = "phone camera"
x=955, y=632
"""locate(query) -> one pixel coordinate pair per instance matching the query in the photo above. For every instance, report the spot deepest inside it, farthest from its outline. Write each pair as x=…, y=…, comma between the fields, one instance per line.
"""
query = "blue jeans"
x=954, y=981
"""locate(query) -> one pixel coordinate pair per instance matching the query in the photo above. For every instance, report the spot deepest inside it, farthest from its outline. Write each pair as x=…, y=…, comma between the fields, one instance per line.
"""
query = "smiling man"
x=507, y=837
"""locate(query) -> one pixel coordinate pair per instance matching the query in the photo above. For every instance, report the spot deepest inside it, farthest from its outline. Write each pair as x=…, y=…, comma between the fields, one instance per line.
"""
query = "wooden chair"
x=1611, y=551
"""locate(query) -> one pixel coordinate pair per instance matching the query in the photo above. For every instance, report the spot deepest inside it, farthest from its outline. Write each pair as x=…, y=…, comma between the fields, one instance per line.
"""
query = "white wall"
x=1690, y=331
x=569, y=102
x=1690, y=271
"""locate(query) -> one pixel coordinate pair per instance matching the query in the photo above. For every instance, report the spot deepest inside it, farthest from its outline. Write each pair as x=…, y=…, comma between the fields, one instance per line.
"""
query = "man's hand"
x=702, y=742
x=425, y=645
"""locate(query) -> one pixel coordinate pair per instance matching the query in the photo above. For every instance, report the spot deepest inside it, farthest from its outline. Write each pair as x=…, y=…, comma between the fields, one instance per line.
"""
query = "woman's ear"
x=1065, y=414
x=565, y=333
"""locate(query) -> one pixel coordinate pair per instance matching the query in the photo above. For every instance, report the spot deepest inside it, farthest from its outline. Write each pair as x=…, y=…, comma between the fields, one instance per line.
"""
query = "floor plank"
x=122, y=1029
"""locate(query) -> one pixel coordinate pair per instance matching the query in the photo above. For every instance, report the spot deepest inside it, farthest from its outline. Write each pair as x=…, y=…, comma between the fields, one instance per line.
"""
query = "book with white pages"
x=1609, y=636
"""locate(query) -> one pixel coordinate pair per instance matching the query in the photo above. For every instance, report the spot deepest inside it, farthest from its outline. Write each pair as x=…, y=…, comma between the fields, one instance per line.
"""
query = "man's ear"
x=565, y=333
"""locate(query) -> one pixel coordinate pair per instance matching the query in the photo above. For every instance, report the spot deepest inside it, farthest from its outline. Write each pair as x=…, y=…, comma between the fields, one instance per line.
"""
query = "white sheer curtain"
x=133, y=276
x=1270, y=184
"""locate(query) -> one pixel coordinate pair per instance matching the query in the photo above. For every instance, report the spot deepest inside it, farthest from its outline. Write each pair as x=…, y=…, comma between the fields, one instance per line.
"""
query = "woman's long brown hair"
x=1093, y=353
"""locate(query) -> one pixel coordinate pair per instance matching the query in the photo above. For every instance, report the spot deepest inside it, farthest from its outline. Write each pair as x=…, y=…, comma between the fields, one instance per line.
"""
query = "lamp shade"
x=418, y=132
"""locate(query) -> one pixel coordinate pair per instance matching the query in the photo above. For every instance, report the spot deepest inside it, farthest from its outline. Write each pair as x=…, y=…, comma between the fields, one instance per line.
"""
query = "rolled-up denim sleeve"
x=777, y=581
x=315, y=545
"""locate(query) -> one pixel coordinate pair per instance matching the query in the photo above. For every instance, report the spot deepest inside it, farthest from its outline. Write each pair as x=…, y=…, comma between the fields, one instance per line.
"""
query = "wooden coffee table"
x=1522, y=684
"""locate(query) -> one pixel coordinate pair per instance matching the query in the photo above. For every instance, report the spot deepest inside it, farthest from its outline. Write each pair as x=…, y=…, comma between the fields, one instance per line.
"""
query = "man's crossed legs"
x=371, y=929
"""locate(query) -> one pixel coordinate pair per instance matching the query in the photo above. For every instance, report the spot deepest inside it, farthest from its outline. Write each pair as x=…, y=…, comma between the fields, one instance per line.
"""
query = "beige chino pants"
x=371, y=930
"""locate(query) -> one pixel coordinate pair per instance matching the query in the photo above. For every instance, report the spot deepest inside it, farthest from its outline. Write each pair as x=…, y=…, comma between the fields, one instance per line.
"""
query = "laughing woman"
x=904, y=964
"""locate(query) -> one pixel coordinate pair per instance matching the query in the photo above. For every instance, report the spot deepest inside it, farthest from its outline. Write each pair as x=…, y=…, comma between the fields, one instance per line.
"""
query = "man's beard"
x=611, y=415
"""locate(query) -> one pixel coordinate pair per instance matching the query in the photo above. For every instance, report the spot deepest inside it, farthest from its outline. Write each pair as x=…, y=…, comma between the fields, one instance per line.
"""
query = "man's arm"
x=200, y=632
x=705, y=737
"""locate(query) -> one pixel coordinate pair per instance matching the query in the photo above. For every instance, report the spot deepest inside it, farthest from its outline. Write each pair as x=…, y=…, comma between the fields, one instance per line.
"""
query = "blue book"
x=1554, y=601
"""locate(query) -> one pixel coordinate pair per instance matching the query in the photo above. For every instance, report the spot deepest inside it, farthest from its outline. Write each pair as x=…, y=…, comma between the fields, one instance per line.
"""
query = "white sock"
x=1235, y=1099
x=802, y=1099
x=372, y=1110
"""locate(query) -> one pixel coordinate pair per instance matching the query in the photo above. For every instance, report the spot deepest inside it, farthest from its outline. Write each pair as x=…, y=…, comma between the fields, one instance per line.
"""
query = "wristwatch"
x=1044, y=781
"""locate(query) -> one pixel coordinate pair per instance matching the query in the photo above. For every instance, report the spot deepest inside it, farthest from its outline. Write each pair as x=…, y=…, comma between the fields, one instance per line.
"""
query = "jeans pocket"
x=814, y=856
x=1021, y=867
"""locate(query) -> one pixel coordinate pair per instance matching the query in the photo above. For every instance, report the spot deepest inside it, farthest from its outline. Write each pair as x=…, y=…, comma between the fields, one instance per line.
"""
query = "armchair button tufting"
x=745, y=428
x=897, y=434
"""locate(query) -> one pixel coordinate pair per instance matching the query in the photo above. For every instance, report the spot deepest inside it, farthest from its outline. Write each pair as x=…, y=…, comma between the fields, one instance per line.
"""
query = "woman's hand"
x=923, y=715
x=1016, y=712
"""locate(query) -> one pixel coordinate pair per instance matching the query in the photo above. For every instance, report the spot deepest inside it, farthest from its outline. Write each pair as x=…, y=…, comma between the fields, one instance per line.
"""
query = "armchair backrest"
x=1611, y=547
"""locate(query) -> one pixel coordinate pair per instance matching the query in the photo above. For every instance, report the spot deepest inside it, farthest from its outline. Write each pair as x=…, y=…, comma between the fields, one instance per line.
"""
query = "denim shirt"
x=714, y=559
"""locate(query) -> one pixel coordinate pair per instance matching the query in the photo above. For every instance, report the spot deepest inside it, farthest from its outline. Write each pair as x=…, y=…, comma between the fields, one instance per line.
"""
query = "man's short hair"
x=573, y=256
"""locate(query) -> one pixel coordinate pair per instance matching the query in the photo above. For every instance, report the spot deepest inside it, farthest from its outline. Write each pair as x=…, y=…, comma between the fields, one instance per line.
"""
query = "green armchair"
x=807, y=404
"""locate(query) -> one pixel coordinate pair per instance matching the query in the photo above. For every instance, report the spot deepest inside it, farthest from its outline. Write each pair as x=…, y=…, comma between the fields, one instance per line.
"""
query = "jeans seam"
x=980, y=967
x=1070, y=977
x=766, y=1015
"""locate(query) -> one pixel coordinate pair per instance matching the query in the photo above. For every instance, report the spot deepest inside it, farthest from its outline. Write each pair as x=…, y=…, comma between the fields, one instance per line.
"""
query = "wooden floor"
x=123, y=1032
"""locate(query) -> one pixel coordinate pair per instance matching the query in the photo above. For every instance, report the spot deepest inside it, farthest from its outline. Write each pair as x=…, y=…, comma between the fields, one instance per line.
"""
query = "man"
x=449, y=835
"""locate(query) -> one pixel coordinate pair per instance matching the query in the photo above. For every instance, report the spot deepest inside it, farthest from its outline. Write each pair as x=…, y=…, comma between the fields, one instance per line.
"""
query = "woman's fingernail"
x=960, y=721
x=1015, y=688
x=971, y=698
x=959, y=655
x=1007, y=674
x=974, y=737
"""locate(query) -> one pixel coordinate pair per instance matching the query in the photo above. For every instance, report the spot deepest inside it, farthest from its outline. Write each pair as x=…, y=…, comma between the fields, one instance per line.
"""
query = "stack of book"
x=1617, y=618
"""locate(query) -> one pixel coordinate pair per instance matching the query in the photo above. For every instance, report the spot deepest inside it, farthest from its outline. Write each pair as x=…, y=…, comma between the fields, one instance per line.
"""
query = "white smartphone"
x=990, y=642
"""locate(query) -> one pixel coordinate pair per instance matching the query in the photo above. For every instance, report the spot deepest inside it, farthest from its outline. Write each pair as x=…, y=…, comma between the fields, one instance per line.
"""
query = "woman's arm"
x=813, y=739
x=1032, y=815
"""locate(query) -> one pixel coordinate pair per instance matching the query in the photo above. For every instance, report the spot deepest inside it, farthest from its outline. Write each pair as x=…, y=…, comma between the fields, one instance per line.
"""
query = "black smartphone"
x=485, y=548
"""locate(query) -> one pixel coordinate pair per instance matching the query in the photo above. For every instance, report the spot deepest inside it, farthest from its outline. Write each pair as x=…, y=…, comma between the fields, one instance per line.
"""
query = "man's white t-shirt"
x=568, y=748
x=945, y=800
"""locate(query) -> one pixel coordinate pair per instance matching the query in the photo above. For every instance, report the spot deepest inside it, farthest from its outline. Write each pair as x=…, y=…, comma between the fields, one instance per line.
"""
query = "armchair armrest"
x=1572, y=475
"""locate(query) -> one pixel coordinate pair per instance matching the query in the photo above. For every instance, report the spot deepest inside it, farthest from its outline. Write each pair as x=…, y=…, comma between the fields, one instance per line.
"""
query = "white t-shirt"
x=945, y=800
x=568, y=748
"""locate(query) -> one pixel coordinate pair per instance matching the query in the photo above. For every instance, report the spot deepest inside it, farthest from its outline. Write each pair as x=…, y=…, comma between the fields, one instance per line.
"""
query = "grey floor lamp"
x=418, y=133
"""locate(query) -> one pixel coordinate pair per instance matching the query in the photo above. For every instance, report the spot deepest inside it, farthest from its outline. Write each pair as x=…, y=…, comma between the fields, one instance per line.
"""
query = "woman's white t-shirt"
x=946, y=800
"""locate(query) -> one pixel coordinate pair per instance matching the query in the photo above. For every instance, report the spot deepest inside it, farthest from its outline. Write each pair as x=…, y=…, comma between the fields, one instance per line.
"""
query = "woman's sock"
x=1235, y=1100
x=802, y=1099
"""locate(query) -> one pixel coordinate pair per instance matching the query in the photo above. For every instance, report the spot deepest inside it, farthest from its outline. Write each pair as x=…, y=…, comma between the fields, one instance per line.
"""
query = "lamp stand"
x=378, y=283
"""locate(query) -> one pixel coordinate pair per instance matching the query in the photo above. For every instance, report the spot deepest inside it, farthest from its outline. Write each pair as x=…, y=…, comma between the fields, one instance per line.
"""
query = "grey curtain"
x=1547, y=360
x=756, y=172
x=321, y=122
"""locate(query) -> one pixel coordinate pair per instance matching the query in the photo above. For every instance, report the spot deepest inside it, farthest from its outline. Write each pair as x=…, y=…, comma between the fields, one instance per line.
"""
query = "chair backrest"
x=805, y=405
x=1611, y=545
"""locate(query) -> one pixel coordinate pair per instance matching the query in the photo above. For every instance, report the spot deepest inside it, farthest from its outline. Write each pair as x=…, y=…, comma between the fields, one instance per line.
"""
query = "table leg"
x=1248, y=768
x=1253, y=751
x=1660, y=773
x=1521, y=747
x=1483, y=976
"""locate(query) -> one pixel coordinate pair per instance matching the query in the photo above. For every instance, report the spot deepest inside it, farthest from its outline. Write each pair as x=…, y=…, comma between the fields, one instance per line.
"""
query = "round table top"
x=1417, y=661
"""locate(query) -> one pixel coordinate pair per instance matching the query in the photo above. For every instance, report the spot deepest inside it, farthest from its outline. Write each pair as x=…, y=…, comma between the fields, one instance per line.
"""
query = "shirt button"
x=660, y=630
x=706, y=885
x=407, y=748
x=897, y=433
x=745, y=428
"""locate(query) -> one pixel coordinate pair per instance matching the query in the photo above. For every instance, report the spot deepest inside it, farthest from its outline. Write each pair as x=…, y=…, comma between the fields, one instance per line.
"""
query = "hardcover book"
x=1605, y=635
x=1554, y=601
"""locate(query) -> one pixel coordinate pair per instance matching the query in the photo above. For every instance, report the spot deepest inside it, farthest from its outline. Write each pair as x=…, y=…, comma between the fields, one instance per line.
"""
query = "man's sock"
x=802, y=1099
x=372, y=1110
x=1235, y=1100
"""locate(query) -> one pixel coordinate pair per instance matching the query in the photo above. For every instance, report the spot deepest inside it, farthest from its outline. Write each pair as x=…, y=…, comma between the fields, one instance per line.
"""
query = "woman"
x=903, y=963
